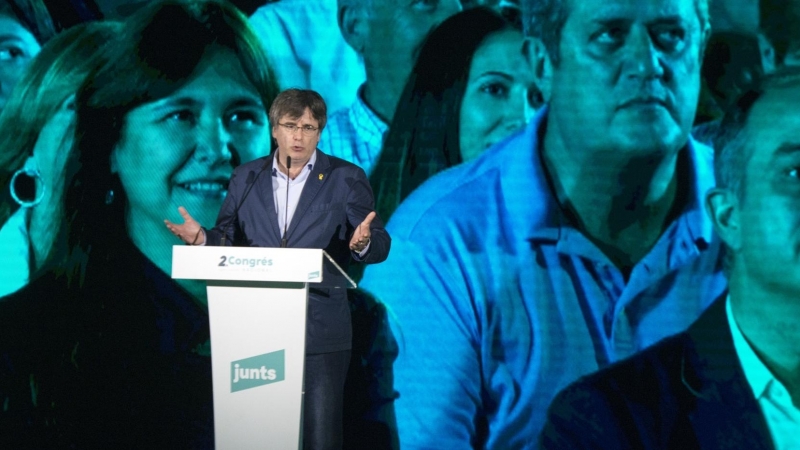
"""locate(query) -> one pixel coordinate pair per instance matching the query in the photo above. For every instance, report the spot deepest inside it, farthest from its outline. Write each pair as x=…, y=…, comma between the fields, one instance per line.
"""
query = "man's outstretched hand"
x=360, y=237
x=189, y=231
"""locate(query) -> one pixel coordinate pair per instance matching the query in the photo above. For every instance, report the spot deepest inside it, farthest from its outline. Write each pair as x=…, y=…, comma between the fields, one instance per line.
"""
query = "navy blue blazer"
x=686, y=392
x=336, y=198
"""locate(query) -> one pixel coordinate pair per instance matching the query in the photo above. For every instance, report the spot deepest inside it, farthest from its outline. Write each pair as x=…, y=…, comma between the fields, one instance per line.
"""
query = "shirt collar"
x=544, y=218
x=540, y=217
x=701, y=179
x=757, y=374
x=309, y=164
x=367, y=120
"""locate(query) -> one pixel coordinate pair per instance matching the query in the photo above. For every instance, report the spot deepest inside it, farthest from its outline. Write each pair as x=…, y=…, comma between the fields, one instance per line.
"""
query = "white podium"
x=257, y=299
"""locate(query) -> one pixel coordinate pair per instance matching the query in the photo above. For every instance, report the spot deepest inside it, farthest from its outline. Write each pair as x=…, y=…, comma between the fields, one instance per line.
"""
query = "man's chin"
x=652, y=137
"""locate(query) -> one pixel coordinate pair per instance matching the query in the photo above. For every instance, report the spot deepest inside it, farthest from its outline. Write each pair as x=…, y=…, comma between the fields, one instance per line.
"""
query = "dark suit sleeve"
x=226, y=222
x=361, y=202
x=581, y=417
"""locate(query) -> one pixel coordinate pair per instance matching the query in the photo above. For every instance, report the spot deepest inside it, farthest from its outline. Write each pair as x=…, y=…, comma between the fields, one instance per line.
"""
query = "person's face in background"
x=179, y=150
x=17, y=48
x=733, y=62
x=396, y=31
x=299, y=144
x=628, y=79
x=768, y=216
x=495, y=99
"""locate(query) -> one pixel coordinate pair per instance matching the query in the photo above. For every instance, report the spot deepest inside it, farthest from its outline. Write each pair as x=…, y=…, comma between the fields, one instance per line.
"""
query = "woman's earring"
x=110, y=197
x=33, y=173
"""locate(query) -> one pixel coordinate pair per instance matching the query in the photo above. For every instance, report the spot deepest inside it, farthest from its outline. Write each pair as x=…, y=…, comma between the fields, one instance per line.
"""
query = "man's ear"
x=352, y=19
x=722, y=207
x=540, y=65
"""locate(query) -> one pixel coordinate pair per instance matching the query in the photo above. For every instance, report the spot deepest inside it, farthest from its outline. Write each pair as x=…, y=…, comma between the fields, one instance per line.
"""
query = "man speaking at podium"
x=299, y=197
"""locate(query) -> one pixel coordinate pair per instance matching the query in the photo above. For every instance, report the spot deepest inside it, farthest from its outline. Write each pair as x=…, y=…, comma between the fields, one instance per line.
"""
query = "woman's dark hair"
x=162, y=46
x=32, y=15
x=423, y=137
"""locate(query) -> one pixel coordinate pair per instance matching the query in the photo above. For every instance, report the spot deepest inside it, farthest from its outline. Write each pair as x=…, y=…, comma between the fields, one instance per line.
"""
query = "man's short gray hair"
x=544, y=19
x=733, y=145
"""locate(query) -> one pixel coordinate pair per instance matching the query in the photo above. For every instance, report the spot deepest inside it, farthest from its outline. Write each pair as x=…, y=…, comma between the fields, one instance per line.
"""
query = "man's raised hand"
x=189, y=231
x=360, y=237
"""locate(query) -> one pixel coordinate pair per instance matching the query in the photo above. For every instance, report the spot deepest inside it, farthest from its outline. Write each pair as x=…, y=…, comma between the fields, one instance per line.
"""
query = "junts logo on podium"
x=258, y=370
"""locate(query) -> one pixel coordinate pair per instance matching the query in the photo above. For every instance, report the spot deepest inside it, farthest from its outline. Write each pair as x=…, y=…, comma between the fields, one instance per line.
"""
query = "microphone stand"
x=286, y=216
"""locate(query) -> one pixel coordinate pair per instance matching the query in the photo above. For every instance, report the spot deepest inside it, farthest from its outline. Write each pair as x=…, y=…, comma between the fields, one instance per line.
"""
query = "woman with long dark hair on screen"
x=468, y=90
x=36, y=137
x=116, y=351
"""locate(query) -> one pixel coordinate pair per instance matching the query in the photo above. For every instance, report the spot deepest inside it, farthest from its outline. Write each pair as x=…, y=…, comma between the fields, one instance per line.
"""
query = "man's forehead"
x=644, y=10
x=777, y=103
x=773, y=123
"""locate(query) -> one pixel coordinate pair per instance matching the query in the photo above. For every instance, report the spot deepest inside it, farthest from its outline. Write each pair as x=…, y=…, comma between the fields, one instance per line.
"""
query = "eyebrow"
x=248, y=101
x=294, y=122
x=188, y=102
x=10, y=37
x=667, y=20
x=786, y=149
x=614, y=20
x=496, y=74
x=611, y=21
x=170, y=103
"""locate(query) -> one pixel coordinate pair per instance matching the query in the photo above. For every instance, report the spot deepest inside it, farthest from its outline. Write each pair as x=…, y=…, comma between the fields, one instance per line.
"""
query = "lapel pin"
x=321, y=176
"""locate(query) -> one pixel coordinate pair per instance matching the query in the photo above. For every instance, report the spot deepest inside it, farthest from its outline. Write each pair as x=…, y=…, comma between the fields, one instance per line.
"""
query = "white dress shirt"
x=783, y=418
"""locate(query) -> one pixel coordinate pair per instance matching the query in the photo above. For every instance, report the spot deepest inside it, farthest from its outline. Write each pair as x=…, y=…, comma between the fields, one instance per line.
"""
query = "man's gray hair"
x=544, y=19
x=732, y=146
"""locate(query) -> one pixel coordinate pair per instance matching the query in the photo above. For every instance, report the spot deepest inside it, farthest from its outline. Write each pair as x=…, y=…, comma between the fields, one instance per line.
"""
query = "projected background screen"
x=496, y=293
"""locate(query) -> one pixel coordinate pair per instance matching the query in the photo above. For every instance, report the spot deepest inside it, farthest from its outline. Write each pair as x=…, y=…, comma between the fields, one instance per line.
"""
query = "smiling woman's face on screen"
x=180, y=150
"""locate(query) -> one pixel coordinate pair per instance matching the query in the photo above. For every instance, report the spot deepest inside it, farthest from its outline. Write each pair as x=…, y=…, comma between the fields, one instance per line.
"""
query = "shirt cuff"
x=363, y=253
x=202, y=230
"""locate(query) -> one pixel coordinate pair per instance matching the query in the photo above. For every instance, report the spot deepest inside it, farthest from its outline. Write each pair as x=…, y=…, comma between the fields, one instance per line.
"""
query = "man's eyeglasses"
x=307, y=130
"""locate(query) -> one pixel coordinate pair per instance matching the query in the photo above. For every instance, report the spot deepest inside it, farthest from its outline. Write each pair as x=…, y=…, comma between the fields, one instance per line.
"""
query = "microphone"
x=286, y=217
x=252, y=181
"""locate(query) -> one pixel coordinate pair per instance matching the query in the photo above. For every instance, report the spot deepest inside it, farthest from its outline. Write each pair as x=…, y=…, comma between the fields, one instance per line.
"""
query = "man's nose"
x=644, y=58
x=213, y=143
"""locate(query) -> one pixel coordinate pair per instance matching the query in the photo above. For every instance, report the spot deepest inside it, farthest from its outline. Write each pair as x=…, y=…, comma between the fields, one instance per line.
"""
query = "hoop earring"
x=33, y=173
x=110, y=197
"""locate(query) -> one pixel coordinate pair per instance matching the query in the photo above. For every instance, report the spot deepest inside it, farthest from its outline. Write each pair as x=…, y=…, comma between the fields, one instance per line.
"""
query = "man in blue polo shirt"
x=567, y=247
x=732, y=380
